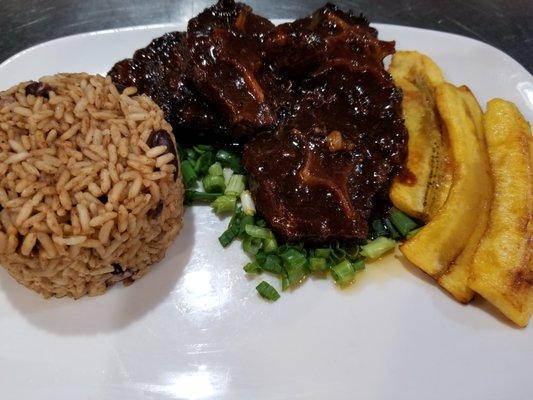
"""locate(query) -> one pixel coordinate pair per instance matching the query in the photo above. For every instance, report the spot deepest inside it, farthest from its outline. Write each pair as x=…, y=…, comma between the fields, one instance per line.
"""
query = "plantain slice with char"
x=421, y=189
x=502, y=270
x=455, y=277
x=439, y=244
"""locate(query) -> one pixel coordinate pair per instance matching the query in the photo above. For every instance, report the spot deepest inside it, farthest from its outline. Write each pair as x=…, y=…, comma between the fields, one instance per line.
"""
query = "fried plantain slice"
x=455, y=278
x=423, y=186
x=443, y=239
x=502, y=270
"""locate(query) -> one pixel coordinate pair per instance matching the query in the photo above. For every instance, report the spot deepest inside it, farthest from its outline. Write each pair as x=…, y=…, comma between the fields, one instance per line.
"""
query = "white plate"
x=195, y=328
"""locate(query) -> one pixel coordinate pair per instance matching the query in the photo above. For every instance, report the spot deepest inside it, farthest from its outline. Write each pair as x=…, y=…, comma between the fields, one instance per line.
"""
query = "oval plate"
x=195, y=327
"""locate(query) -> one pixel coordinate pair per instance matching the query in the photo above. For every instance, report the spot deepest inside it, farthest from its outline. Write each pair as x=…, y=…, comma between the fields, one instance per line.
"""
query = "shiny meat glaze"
x=316, y=177
x=318, y=114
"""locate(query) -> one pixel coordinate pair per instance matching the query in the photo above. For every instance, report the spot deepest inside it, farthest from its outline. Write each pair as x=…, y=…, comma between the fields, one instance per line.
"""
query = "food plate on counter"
x=194, y=327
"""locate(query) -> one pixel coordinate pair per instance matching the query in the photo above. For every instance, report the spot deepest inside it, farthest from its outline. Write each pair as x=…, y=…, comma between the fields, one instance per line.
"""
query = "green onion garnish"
x=190, y=154
x=267, y=291
x=293, y=258
x=224, y=204
x=377, y=247
x=228, y=160
x=251, y=245
x=252, y=268
x=272, y=264
x=413, y=233
x=257, y=232
x=188, y=173
x=202, y=148
x=378, y=228
x=270, y=245
x=215, y=169
x=322, y=253
x=247, y=203
x=203, y=162
x=318, y=264
x=343, y=273
x=393, y=232
x=235, y=185
x=213, y=184
x=402, y=222
x=194, y=196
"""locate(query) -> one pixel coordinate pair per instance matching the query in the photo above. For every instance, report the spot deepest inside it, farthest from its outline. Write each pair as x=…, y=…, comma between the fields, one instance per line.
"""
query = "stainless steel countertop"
x=505, y=24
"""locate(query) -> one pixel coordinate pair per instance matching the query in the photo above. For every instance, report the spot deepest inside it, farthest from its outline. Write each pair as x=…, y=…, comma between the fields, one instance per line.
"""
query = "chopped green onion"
x=270, y=245
x=190, y=154
x=267, y=291
x=252, y=268
x=343, y=273
x=295, y=273
x=215, y=169
x=318, y=264
x=272, y=264
x=188, y=173
x=203, y=162
x=379, y=228
x=284, y=282
x=322, y=253
x=358, y=265
x=213, y=184
x=402, y=222
x=227, y=172
x=257, y=232
x=229, y=160
x=391, y=229
x=377, y=247
x=192, y=196
x=232, y=232
x=202, y=148
x=247, y=203
x=293, y=258
x=235, y=185
x=224, y=204
x=244, y=220
x=251, y=245
x=413, y=233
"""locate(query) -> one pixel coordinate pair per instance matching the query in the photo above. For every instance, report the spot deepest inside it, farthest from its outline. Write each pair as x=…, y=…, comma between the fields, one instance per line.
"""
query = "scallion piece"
x=322, y=253
x=358, y=265
x=267, y=291
x=188, y=173
x=227, y=172
x=251, y=245
x=235, y=185
x=247, y=203
x=272, y=264
x=343, y=273
x=203, y=163
x=293, y=258
x=295, y=273
x=190, y=154
x=215, y=169
x=284, y=282
x=202, y=148
x=194, y=196
x=270, y=245
x=252, y=268
x=413, y=233
x=402, y=222
x=318, y=264
x=379, y=228
x=377, y=247
x=257, y=232
x=243, y=221
x=224, y=204
x=213, y=184
x=232, y=232
x=229, y=160
x=393, y=232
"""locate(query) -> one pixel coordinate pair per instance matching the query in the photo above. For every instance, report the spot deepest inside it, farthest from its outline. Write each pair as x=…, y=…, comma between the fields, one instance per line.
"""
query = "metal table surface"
x=504, y=24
